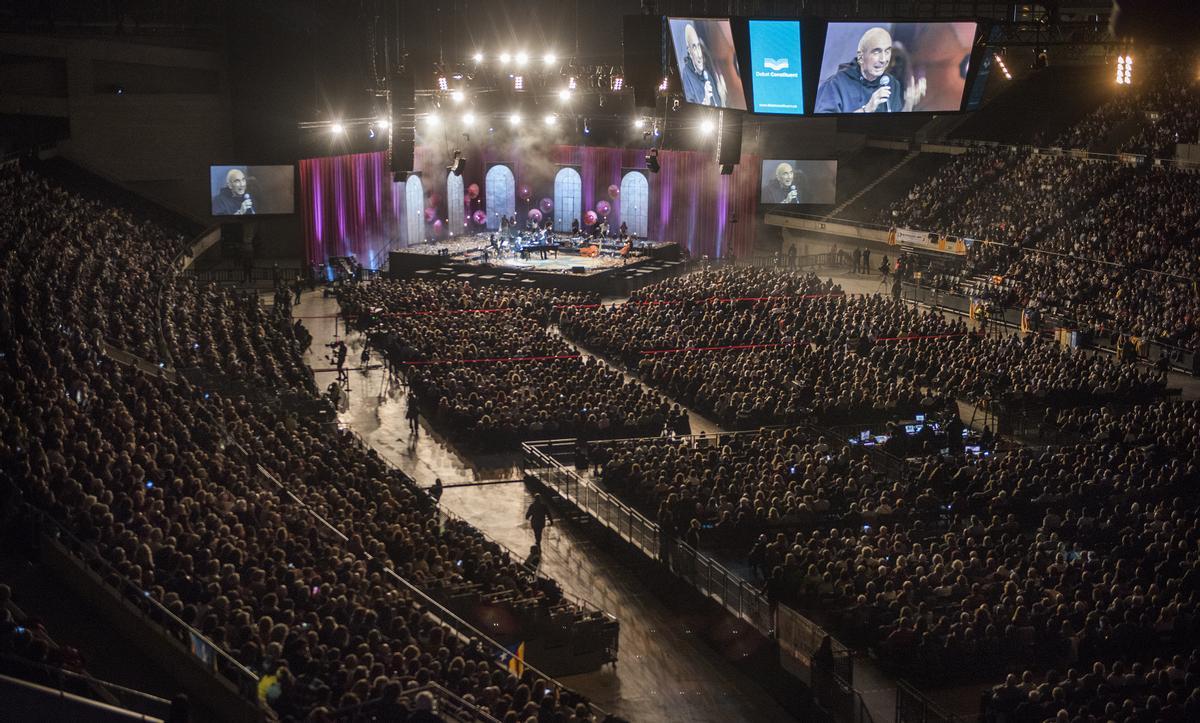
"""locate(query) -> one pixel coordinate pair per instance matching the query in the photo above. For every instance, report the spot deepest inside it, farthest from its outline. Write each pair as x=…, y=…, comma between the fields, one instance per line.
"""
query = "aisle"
x=666, y=672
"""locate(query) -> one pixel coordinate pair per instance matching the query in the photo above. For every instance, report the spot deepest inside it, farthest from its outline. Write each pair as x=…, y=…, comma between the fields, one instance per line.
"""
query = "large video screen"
x=894, y=67
x=251, y=190
x=707, y=62
x=787, y=183
x=776, y=74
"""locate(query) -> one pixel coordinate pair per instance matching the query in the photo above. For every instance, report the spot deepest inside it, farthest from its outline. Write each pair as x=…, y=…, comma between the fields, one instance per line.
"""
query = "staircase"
x=836, y=213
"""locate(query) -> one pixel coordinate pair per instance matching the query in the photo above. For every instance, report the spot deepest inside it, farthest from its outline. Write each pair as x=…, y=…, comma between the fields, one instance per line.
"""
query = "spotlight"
x=706, y=126
x=618, y=82
x=663, y=85
x=514, y=119
x=505, y=57
x=639, y=123
x=522, y=58
x=550, y=59
x=443, y=84
x=571, y=83
x=383, y=124
x=468, y=119
x=1124, y=69
x=551, y=119
x=478, y=57
x=458, y=96
x=564, y=95
x=337, y=128
x=518, y=82
x=1003, y=67
x=432, y=120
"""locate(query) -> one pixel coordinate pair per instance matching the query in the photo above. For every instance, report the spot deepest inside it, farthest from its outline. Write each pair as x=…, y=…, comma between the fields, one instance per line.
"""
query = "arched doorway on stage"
x=635, y=202
x=501, y=196
x=568, y=195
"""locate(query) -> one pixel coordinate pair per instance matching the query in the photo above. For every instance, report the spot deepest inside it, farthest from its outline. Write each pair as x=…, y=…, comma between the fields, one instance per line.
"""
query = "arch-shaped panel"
x=455, y=205
x=501, y=197
x=568, y=194
x=635, y=202
x=414, y=209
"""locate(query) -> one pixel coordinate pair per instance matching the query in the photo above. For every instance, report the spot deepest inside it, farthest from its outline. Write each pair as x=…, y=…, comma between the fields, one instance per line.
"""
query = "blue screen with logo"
x=776, y=77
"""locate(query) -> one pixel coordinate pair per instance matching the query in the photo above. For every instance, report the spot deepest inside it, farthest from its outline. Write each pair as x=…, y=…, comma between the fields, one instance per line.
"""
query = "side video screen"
x=790, y=182
x=251, y=190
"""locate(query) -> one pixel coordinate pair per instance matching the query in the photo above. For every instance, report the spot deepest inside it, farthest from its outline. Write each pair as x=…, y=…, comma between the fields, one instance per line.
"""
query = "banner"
x=912, y=237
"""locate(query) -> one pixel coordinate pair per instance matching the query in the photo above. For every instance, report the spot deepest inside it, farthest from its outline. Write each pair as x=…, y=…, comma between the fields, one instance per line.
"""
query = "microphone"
x=885, y=81
x=246, y=198
x=792, y=191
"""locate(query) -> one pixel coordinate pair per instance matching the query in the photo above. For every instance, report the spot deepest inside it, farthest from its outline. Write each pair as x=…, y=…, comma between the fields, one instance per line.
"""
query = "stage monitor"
x=887, y=67
x=776, y=67
x=251, y=190
x=788, y=183
x=707, y=62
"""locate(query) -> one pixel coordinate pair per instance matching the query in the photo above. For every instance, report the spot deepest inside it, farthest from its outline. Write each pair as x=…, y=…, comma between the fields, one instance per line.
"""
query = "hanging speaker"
x=642, y=43
x=729, y=138
x=403, y=130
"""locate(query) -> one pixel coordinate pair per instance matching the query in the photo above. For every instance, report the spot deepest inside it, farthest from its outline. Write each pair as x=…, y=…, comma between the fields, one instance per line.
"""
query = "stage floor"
x=563, y=264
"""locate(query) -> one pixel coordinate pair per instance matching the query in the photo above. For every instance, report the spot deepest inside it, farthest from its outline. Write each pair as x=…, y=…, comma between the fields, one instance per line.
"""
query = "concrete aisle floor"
x=666, y=672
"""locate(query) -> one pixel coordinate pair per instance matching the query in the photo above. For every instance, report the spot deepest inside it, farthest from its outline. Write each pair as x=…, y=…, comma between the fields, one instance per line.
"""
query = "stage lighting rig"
x=1124, y=69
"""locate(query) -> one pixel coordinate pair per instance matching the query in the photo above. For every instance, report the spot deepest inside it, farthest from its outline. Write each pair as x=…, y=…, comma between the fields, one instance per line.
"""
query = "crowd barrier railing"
x=735, y=594
x=913, y=706
x=432, y=607
x=214, y=658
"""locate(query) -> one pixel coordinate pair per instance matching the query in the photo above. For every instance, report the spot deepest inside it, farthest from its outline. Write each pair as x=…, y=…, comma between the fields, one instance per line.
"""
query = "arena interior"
x=579, y=362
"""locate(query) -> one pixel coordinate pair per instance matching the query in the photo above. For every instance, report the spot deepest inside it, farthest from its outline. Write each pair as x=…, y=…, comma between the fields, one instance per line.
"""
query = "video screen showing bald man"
x=707, y=62
x=251, y=190
x=795, y=183
x=894, y=67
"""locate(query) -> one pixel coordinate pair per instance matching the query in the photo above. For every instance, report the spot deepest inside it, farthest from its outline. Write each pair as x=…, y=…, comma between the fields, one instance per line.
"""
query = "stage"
x=474, y=258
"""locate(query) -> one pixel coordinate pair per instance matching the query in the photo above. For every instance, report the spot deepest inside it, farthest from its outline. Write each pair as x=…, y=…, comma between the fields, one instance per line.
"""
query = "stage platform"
x=607, y=274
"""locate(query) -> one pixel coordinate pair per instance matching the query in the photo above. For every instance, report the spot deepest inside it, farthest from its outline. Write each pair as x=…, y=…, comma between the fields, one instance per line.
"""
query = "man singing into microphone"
x=232, y=200
x=701, y=82
x=782, y=188
x=865, y=85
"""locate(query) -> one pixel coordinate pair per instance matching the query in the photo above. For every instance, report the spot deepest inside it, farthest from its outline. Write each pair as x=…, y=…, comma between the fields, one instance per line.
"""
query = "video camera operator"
x=338, y=357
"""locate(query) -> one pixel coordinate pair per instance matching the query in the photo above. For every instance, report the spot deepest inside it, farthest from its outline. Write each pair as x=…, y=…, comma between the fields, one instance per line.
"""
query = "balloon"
x=547, y=205
x=603, y=208
x=430, y=214
x=613, y=191
x=589, y=218
x=473, y=191
x=535, y=215
x=480, y=217
x=437, y=226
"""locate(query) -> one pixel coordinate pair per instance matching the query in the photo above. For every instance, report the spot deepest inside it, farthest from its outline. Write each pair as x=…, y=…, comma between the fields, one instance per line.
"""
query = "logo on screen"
x=776, y=63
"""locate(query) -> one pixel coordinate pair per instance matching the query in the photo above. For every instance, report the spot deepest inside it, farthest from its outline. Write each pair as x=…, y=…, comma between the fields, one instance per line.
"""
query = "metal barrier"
x=912, y=706
x=285, y=274
x=801, y=637
x=244, y=680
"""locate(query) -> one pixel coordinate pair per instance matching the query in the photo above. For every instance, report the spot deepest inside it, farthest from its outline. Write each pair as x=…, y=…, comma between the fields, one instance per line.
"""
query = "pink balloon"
x=480, y=217
x=589, y=218
x=473, y=191
x=430, y=214
x=535, y=215
x=547, y=205
x=613, y=191
x=603, y=208
x=437, y=226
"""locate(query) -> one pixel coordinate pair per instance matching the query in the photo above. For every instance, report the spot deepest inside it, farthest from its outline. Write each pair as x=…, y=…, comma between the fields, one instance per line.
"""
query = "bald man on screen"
x=865, y=85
